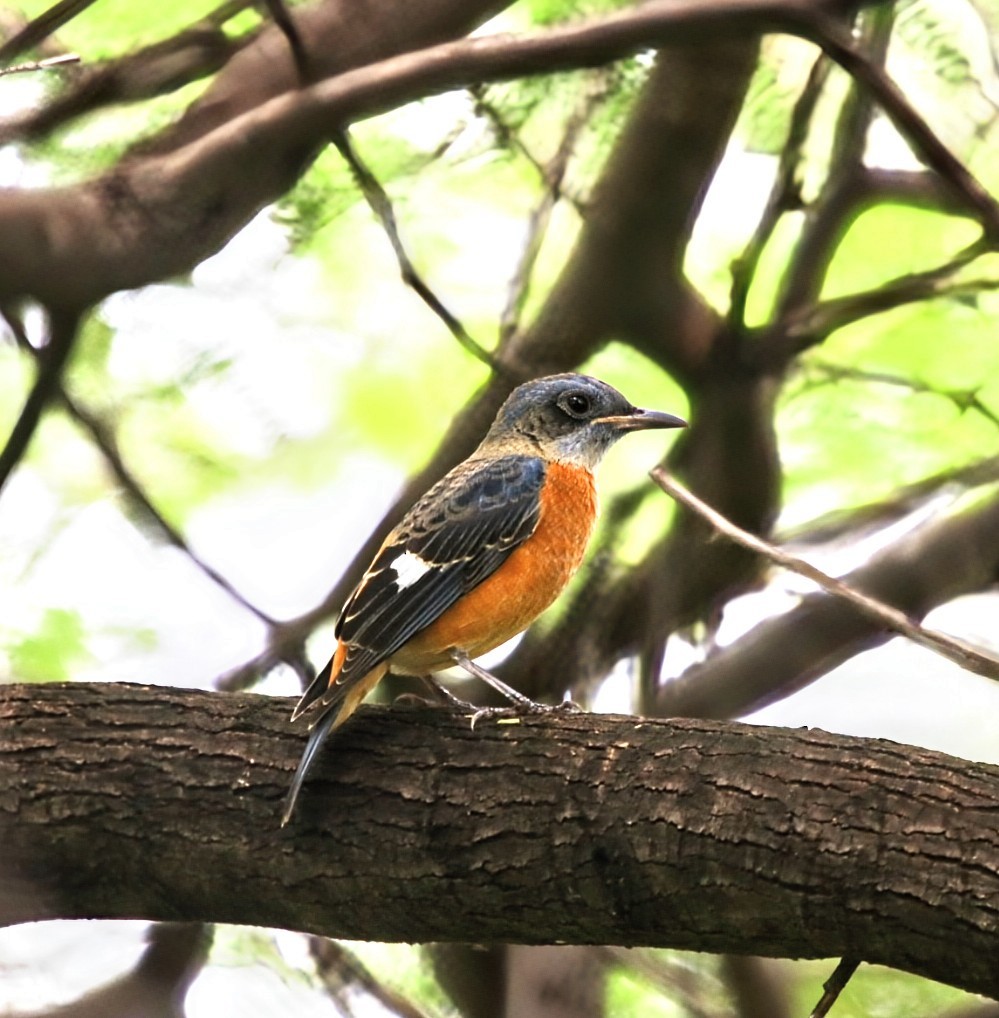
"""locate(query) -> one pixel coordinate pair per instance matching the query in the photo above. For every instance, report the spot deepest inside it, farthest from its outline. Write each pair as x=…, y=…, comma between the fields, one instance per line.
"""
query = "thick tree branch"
x=582, y=829
x=157, y=216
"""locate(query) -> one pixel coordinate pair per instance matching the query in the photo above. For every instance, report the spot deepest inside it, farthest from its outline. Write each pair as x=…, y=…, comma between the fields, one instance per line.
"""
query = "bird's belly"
x=509, y=600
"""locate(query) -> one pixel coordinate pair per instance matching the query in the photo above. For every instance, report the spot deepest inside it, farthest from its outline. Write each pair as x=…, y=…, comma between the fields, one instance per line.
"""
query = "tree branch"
x=157, y=216
x=381, y=205
x=958, y=554
x=883, y=615
x=41, y=28
x=51, y=361
x=697, y=835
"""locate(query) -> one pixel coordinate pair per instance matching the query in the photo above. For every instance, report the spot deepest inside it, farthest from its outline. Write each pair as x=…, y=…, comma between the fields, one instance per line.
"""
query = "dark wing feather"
x=464, y=528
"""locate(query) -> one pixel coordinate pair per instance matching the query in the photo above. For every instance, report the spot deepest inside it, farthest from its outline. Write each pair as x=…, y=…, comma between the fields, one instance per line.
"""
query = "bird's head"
x=573, y=418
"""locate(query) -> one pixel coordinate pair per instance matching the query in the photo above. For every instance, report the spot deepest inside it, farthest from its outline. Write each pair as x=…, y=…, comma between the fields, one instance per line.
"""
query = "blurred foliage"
x=548, y=12
x=94, y=143
x=112, y=28
x=50, y=653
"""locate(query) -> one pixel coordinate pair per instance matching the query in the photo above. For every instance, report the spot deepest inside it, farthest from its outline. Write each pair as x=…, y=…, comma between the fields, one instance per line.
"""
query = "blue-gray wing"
x=455, y=536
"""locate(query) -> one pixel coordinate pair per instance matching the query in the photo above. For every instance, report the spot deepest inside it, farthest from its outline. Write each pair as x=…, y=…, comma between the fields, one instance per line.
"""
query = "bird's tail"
x=320, y=684
x=331, y=710
x=322, y=728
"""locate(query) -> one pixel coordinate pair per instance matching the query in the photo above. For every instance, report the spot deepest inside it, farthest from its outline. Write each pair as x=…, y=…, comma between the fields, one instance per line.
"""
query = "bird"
x=479, y=556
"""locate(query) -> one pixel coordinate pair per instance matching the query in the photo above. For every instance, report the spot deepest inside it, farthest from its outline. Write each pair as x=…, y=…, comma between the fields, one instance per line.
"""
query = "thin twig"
x=841, y=197
x=924, y=141
x=508, y=137
x=553, y=175
x=41, y=65
x=42, y=27
x=903, y=501
x=51, y=361
x=810, y=326
x=164, y=66
x=103, y=436
x=785, y=195
x=341, y=969
x=963, y=399
x=959, y=651
x=282, y=18
x=380, y=203
x=835, y=985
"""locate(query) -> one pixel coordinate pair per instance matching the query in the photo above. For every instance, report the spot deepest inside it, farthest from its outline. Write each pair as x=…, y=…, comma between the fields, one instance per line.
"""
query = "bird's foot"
x=520, y=705
x=438, y=695
x=525, y=710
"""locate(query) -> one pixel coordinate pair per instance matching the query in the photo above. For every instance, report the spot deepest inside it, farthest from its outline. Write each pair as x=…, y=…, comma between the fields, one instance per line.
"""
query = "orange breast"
x=509, y=600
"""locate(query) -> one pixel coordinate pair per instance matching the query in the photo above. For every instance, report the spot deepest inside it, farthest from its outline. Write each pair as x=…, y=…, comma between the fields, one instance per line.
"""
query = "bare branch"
x=163, y=66
x=553, y=175
x=41, y=65
x=101, y=433
x=808, y=844
x=41, y=28
x=380, y=203
x=785, y=195
x=834, y=986
x=340, y=969
x=844, y=191
x=959, y=651
x=228, y=174
x=920, y=136
x=509, y=138
x=281, y=17
x=901, y=502
x=807, y=327
x=51, y=362
x=963, y=399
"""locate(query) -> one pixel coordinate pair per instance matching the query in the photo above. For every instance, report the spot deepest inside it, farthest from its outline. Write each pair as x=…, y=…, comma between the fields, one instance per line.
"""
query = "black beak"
x=639, y=420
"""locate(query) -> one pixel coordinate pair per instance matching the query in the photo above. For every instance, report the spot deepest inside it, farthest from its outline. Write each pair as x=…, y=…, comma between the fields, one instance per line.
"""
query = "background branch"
x=958, y=651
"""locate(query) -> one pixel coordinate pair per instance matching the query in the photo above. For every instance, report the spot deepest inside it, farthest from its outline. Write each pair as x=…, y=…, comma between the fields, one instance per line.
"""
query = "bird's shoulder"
x=476, y=490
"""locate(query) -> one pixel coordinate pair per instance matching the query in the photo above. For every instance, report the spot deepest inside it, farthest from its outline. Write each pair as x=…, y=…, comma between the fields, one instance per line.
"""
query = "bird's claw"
x=492, y=712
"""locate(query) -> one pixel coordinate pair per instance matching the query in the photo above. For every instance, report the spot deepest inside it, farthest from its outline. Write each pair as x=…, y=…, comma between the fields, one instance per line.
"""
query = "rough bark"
x=159, y=803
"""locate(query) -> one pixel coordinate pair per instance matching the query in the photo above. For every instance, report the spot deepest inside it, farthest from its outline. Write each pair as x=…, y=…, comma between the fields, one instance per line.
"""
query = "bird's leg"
x=522, y=704
x=525, y=703
x=438, y=695
x=444, y=695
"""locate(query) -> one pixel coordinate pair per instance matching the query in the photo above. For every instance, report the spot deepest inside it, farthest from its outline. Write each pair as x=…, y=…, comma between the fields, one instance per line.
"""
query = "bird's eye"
x=575, y=404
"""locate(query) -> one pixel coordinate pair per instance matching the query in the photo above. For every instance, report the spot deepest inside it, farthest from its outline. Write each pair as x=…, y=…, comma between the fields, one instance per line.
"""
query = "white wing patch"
x=408, y=568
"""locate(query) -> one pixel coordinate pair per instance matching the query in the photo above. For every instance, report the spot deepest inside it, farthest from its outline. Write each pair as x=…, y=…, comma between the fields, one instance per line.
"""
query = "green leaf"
x=48, y=654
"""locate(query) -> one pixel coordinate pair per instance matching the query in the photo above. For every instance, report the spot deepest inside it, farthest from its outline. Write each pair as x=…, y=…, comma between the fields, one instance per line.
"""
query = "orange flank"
x=533, y=576
x=354, y=692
